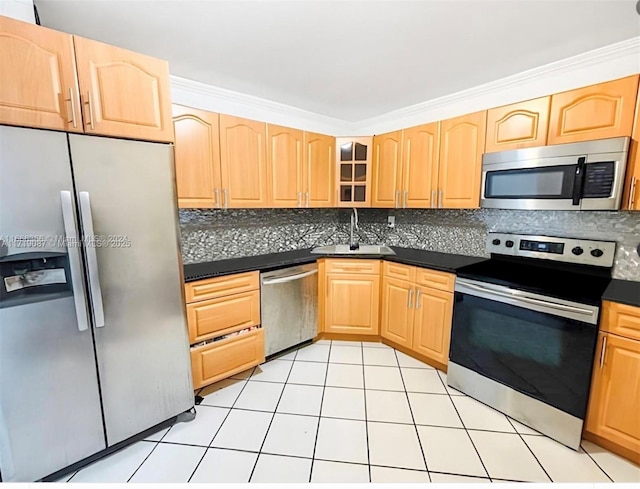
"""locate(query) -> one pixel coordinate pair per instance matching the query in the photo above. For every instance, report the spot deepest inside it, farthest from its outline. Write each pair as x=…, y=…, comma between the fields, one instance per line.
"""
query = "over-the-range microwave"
x=576, y=176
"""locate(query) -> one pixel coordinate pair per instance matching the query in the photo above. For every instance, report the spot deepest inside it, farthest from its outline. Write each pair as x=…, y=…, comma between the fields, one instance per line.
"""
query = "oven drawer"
x=340, y=265
x=435, y=279
x=220, y=286
x=620, y=319
x=221, y=359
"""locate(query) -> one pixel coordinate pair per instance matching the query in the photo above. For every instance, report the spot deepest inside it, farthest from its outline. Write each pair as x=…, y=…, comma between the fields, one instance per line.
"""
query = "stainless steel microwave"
x=575, y=176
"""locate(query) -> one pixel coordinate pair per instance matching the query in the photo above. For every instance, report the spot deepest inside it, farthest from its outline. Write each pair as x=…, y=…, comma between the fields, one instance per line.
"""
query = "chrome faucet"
x=353, y=244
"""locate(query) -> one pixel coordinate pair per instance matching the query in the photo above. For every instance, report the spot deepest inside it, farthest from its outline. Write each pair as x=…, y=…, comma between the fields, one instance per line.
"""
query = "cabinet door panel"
x=631, y=196
x=521, y=125
x=387, y=170
x=319, y=168
x=432, y=324
x=284, y=166
x=242, y=162
x=461, y=148
x=420, y=165
x=396, y=321
x=124, y=94
x=352, y=304
x=197, y=157
x=38, y=85
x=615, y=392
x=598, y=111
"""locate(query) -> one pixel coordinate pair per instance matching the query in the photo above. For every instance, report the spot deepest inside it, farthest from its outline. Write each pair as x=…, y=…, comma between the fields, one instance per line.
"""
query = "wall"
x=209, y=235
x=18, y=9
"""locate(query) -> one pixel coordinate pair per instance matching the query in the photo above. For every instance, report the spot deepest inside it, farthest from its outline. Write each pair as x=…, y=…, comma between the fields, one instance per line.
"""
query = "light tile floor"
x=350, y=412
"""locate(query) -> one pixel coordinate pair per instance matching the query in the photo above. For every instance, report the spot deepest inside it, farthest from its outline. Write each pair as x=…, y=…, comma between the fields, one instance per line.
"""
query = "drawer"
x=352, y=266
x=435, y=279
x=217, y=317
x=221, y=359
x=221, y=286
x=620, y=319
x=397, y=270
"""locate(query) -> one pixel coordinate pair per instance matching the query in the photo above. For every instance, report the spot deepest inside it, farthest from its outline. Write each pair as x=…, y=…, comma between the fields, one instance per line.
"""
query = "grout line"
x=529, y=448
x=595, y=462
x=366, y=418
x=324, y=387
x=141, y=464
x=424, y=457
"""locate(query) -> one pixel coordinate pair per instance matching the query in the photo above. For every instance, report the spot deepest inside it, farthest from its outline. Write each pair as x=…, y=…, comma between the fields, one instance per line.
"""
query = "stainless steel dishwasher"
x=289, y=306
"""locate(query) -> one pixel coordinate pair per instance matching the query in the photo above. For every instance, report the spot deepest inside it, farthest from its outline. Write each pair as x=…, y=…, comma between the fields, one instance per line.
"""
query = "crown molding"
x=606, y=63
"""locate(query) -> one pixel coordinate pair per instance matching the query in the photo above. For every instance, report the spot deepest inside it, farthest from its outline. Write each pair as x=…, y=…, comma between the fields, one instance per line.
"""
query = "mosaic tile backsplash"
x=210, y=234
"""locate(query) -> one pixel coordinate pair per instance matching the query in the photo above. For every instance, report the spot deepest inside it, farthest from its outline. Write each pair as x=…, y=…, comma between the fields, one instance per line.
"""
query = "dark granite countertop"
x=447, y=262
x=624, y=292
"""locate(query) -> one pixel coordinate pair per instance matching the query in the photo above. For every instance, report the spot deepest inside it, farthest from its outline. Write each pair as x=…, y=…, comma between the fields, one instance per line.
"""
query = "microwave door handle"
x=578, y=183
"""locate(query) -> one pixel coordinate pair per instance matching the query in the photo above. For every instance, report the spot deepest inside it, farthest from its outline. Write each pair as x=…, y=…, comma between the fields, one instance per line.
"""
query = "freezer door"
x=126, y=191
x=49, y=401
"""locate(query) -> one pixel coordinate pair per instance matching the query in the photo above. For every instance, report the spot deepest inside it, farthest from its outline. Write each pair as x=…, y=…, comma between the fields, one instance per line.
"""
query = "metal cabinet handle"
x=440, y=194
x=632, y=192
x=397, y=198
x=73, y=108
x=73, y=250
x=92, y=260
x=410, y=304
x=603, y=351
x=225, y=198
x=433, y=199
x=406, y=195
x=418, y=293
x=299, y=199
x=216, y=196
x=90, y=109
x=307, y=196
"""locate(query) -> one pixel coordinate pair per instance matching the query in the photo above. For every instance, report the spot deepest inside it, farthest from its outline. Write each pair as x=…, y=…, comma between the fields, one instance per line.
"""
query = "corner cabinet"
x=197, y=158
x=353, y=158
x=613, y=419
x=461, y=148
x=515, y=126
x=318, y=175
x=243, y=162
x=598, y=111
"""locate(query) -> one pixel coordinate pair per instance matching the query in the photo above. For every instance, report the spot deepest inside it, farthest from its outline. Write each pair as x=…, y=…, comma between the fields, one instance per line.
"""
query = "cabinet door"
x=387, y=170
x=615, y=392
x=352, y=303
x=242, y=162
x=396, y=321
x=197, y=157
x=318, y=175
x=284, y=166
x=123, y=93
x=598, y=111
x=631, y=196
x=353, y=157
x=461, y=148
x=420, y=165
x=432, y=323
x=38, y=84
x=521, y=125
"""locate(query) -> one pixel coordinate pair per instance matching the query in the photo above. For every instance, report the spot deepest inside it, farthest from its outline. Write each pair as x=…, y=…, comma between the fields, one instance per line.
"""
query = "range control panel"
x=583, y=251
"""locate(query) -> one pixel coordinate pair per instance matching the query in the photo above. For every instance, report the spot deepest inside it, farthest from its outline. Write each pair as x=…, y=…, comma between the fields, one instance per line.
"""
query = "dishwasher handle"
x=289, y=278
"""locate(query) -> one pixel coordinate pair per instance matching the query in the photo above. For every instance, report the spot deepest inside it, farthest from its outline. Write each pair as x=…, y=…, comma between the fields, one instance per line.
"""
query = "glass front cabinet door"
x=354, y=171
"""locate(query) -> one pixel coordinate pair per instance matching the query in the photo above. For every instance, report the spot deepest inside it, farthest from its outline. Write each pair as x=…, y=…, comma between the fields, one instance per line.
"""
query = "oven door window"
x=543, y=356
x=551, y=182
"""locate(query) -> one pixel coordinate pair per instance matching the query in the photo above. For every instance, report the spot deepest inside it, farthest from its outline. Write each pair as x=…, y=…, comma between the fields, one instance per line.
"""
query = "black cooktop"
x=578, y=283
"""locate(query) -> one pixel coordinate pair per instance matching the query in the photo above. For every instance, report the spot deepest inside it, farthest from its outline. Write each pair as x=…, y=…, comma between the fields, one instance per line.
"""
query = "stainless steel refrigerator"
x=93, y=338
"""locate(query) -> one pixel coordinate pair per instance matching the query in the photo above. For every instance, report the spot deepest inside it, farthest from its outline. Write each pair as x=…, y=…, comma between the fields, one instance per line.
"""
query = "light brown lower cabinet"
x=416, y=316
x=613, y=416
x=217, y=307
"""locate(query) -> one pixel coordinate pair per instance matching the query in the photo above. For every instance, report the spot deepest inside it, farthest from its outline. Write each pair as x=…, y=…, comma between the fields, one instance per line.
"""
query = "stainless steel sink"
x=362, y=250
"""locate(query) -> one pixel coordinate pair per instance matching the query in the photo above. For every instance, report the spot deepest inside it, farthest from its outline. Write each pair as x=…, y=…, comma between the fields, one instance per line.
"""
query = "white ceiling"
x=349, y=59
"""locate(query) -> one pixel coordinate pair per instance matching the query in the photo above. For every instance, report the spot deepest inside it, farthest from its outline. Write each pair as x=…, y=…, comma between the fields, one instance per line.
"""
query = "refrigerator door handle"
x=73, y=251
x=92, y=259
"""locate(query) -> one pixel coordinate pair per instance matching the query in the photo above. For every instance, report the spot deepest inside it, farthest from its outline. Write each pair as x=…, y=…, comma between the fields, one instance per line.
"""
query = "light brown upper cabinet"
x=284, y=166
x=243, y=162
x=123, y=93
x=38, y=83
x=353, y=158
x=515, y=126
x=631, y=196
x=387, y=170
x=598, y=111
x=420, y=165
x=197, y=158
x=461, y=148
x=318, y=175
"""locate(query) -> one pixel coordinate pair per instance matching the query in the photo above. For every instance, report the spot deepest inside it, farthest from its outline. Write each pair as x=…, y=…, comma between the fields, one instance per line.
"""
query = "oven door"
x=540, y=346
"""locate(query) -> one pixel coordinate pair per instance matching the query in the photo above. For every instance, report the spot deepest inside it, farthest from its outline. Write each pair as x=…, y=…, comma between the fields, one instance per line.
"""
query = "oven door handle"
x=516, y=297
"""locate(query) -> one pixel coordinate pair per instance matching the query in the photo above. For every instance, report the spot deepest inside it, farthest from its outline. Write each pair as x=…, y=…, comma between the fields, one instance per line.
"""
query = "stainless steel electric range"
x=525, y=325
